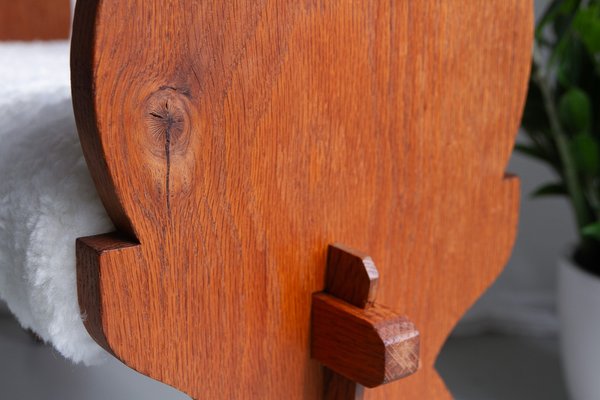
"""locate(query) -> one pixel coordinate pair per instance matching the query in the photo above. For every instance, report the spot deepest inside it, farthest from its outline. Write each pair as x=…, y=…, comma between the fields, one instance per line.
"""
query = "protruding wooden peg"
x=351, y=276
x=361, y=343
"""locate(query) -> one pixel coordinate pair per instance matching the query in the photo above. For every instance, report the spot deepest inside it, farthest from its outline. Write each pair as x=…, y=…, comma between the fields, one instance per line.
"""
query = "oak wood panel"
x=234, y=139
x=34, y=19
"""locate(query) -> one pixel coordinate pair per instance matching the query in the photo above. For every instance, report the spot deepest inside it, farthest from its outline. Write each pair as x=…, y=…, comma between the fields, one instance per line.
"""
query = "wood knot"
x=167, y=115
x=167, y=119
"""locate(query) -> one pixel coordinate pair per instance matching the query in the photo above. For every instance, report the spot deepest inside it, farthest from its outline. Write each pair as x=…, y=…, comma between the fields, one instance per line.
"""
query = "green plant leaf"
x=592, y=230
x=587, y=24
x=570, y=62
x=560, y=50
x=575, y=111
x=586, y=151
x=550, y=189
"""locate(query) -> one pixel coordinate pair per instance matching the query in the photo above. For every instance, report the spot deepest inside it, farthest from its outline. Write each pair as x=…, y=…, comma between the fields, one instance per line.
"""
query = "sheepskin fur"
x=47, y=198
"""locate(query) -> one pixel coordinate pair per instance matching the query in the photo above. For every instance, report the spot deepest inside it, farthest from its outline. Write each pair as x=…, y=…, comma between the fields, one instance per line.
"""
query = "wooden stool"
x=233, y=141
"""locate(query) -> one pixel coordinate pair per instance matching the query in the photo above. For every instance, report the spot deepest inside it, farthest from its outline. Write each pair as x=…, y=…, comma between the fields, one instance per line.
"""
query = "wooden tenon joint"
x=361, y=343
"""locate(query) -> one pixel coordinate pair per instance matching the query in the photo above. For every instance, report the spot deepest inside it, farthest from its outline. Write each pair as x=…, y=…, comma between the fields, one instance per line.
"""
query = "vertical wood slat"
x=337, y=387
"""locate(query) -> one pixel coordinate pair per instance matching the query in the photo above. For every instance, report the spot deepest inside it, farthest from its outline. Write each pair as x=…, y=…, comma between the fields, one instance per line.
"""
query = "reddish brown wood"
x=337, y=387
x=34, y=19
x=345, y=266
x=351, y=276
x=97, y=259
x=233, y=140
x=365, y=344
x=372, y=346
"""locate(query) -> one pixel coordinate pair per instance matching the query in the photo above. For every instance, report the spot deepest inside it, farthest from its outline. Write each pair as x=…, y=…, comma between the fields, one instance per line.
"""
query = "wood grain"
x=97, y=257
x=351, y=276
x=372, y=346
x=363, y=343
x=34, y=19
x=235, y=139
x=337, y=387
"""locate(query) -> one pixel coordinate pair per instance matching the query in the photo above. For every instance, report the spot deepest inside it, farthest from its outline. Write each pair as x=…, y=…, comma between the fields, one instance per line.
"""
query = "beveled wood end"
x=371, y=346
x=360, y=342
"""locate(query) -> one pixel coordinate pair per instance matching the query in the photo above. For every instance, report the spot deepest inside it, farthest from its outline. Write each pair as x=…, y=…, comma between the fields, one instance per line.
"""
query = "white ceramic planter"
x=579, y=314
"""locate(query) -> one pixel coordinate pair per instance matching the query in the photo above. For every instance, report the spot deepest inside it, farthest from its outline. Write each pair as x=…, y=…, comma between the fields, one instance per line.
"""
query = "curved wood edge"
x=83, y=49
x=371, y=347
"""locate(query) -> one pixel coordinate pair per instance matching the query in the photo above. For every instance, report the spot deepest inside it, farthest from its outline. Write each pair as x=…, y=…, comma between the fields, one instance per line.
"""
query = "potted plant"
x=562, y=128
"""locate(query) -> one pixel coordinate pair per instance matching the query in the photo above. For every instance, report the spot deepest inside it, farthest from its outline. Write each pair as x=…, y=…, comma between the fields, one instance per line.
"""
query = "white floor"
x=482, y=368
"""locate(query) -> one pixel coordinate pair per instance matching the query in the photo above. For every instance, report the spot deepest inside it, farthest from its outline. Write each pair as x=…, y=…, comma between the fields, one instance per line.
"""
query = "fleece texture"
x=47, y=198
